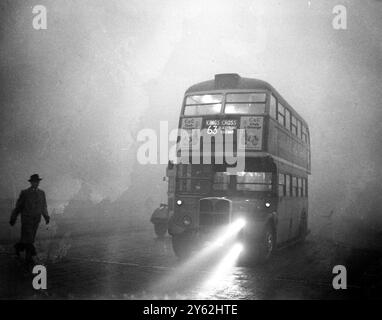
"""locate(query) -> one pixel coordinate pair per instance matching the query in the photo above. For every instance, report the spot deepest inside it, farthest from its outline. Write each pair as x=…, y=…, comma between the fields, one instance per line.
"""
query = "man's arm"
x=18, y=208
x=45, y=209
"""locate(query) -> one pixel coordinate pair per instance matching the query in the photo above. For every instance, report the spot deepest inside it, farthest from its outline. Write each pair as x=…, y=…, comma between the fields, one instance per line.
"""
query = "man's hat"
x=34, y=177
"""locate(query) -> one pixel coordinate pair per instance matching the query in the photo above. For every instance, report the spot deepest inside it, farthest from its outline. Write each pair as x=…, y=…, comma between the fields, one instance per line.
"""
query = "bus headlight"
x=267, y=204
x=179, y=202
x=187, y=220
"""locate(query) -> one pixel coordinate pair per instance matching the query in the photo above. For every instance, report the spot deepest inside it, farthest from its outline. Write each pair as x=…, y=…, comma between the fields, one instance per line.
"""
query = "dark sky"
x=73, y=96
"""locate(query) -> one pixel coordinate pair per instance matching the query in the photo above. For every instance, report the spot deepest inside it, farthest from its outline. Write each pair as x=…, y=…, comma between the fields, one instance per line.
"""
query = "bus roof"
x=226, y=81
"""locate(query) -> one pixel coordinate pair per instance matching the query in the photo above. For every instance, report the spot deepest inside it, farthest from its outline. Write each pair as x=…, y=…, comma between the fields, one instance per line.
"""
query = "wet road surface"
x=136, y=265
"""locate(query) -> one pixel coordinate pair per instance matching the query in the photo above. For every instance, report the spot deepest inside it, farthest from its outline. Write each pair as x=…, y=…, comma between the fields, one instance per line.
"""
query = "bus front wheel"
x=267, y=244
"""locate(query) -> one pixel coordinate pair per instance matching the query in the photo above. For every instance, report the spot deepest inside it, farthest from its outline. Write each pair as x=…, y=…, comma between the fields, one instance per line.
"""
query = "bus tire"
x=303, y=232
x=160, y=229
x=267, y=244
x=181, y=244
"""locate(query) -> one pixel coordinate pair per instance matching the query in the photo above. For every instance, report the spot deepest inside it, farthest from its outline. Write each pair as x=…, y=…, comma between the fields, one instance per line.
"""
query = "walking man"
x=31, y=205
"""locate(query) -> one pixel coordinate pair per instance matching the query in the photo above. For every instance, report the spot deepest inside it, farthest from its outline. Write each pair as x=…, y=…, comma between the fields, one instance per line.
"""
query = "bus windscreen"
x=203, y=104
x=254, y=181
x=200, y=179
x=245, y=103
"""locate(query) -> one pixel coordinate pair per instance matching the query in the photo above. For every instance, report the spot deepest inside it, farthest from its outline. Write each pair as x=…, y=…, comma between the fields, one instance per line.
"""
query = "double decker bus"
x=270, y=191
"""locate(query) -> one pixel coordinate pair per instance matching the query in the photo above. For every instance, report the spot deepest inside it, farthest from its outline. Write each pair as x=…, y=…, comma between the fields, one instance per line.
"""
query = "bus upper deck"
x=227, y=91
x=230, y=102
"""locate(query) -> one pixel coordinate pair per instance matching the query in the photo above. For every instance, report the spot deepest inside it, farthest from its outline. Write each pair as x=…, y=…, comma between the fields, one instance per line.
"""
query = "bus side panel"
x=284, y=217
x=283, y=212
x=282, y=144
x=298, y=207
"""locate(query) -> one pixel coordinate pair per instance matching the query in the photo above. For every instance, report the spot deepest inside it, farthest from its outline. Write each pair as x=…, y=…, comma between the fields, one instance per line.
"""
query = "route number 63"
x=212, y=130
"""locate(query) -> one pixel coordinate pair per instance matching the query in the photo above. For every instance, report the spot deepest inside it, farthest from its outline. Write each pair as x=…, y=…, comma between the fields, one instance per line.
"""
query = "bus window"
x=304, y=134
x=184, y=185
x=287, y=185
x=203, y=104
x=254, y=181
x=184, y=170
x=299, y=128
x=200, y=170
x=287, y=119
x=294, y=187
x=245, y=108
x=299, y=180
x=204, y=99
x=272, y=107
x=193, y=171
x=294, y=125
x=195, y=186
x=221, y=181
x=303, y=188
x=246, y=97
x=200, y=186
x=204, y=109
x=246, y=103
x=194, y=179
x=281, y=185
x=281, y=114
x=306, y=187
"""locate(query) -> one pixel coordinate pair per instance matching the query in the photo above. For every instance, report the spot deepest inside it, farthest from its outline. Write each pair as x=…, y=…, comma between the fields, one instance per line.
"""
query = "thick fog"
x=73, y=97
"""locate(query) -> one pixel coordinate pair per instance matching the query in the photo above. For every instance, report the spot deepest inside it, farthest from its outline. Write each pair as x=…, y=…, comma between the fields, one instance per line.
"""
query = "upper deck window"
x=203, y=104
x=272, y=106
x=294, y=125
x=246, y=97
x=245, y=103
x=245, y=108
x=287, y=119
x=299, y=128
x=281, y=114
x=304, y=134
x=204, y=99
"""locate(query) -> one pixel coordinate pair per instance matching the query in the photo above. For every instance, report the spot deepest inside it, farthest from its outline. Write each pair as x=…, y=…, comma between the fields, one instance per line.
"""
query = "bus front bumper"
x=249, y=231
